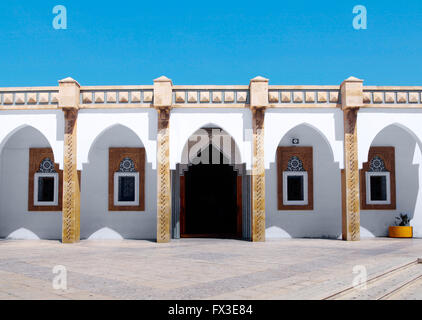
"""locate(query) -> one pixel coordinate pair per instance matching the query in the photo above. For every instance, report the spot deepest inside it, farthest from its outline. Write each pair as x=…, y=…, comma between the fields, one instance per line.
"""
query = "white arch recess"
x=184, y=125
x=278, y=124
x=91, y=126
x=228, y=150
x=370, y=124
x=46, y=124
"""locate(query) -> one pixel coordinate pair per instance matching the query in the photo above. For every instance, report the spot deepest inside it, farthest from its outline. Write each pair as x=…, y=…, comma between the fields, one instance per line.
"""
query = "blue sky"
x=210, y=42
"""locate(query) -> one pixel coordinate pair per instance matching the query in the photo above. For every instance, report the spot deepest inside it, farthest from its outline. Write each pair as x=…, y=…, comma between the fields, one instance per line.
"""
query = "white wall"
x=94, y=191
x=100, y=129
x=14, y=168
x=325, y=220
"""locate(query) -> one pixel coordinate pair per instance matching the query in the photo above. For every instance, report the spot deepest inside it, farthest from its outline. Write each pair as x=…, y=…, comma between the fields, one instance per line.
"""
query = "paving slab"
x=198, y=268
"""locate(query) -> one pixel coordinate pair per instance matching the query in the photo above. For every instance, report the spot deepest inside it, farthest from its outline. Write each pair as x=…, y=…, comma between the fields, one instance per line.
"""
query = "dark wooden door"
x=211, y=202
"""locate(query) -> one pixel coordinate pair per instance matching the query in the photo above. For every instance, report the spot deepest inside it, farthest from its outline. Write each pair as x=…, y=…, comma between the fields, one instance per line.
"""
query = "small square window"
x=46, y=189
x=296, y=185
x=378, y=188
x=294, y=188
x=126, y=188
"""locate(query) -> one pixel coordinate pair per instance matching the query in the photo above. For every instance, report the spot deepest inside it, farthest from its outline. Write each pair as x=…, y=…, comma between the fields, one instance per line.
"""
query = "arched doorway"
x=213, y=193
x=211, y=200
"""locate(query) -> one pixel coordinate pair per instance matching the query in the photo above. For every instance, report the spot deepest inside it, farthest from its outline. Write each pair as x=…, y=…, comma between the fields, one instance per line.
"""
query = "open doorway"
x=211, y=201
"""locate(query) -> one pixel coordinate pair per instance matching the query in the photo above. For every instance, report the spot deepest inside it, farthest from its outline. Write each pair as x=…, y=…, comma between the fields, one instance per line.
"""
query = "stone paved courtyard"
x=198, y=268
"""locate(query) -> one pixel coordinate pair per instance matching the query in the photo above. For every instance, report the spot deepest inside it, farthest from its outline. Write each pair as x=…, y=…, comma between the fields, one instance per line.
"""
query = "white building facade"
x=166, y=161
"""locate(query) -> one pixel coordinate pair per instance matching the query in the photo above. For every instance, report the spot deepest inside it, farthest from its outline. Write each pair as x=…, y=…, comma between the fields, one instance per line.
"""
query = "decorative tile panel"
x=123, y=97
x=229, y=96
x=242, y=96
x=217, y=97
x=322, y=96
x=99, y=97
x=273, y=97
x=180, y=96
x=334, y=96
x=192, y=96
x=204, y=96
x=310, y=97
x=111, y=97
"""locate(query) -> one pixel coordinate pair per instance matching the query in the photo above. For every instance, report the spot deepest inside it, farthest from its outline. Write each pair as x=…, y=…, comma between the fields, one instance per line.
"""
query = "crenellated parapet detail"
x=392, y=97
x=29, y=98
x=116, y=97
x=209, y=96
x=304, y=96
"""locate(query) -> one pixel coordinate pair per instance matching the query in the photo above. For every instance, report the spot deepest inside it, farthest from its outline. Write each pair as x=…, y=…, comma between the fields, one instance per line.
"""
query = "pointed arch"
x=229, y=149
x=185, y=122
x=93, y=124
x=370, y=138
x=327, y=123
x=105, y=131
x=52, y=144
x=284, y=134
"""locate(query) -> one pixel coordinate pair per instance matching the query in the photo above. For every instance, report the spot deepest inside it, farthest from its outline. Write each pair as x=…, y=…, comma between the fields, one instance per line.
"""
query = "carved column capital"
x=163, y=116
x=258, y=115
x=70, y=114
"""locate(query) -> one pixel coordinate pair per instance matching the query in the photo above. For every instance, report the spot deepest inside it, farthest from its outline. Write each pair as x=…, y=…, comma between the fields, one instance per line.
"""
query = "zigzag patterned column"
x=351, y=100
x=258, y=88
x=69, y=92
x=258, y=176
x=163, y=177
x=71, y=193
x=351, y=211
x=163, y=98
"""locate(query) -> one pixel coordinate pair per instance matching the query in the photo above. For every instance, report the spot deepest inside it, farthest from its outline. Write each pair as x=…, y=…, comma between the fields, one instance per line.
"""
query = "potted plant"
x=402, y=228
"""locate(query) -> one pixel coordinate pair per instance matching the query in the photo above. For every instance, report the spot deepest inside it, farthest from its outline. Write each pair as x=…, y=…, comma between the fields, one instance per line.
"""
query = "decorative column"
x=69, y=91
x=163, y=102
x=351, y=100
x=259, y=102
